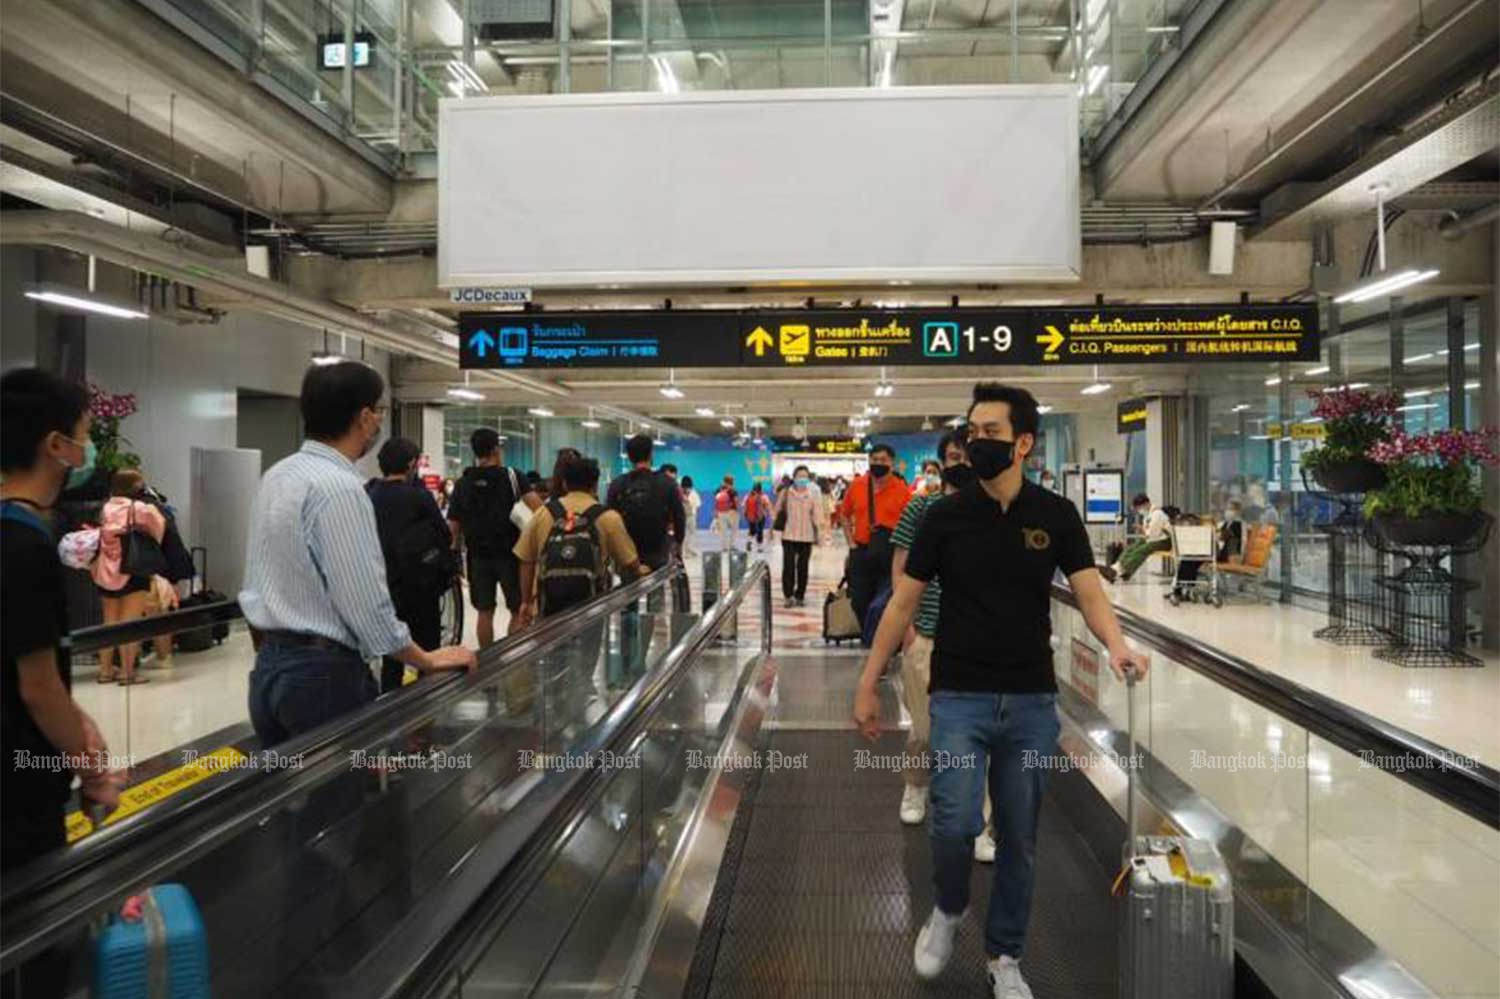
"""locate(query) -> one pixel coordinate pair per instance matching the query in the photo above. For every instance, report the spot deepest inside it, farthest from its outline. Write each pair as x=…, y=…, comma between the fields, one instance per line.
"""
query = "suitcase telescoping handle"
x=1130, y=789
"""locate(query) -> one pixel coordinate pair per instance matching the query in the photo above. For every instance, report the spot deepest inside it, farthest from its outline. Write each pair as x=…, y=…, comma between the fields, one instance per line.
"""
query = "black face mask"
x=991, y=458
x=880, y=471
x=958, y=476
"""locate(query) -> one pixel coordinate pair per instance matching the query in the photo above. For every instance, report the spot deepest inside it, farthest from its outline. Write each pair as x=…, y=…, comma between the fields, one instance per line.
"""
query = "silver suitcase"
x=1177, y=917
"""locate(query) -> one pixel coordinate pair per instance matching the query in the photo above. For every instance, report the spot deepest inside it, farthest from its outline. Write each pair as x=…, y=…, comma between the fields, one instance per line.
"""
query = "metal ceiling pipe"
x=1454, y=226
x=84, y=234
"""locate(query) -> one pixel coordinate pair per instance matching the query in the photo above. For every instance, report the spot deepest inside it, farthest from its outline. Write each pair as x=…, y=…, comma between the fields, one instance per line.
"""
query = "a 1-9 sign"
x=946, y=339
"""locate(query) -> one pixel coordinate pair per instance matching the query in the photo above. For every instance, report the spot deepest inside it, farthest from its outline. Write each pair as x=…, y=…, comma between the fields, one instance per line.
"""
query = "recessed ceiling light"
x=1385, y=284
x=1096, y=388
x=1273, y=381
x=727, y=423
x=462, y=393
x=1322, y=369
x=1240, y=408
x=85, y=304
x=704, y=411
x=590, y=423
x=539, y=411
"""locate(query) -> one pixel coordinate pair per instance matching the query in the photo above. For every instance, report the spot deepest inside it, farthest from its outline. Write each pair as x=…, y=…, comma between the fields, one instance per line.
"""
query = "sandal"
x=103, y=677
x=131, y=681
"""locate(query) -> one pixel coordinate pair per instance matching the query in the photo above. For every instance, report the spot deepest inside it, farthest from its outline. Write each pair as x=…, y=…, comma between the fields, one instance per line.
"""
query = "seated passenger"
x=1157, y=538
x=557, y=575
x=315, y=591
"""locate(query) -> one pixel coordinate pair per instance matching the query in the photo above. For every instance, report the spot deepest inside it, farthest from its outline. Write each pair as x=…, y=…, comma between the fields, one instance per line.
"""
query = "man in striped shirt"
x=916, y=661
x=315, y=590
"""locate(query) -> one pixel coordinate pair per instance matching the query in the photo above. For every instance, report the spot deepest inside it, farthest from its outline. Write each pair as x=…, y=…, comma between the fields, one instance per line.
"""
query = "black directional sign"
x=895, y=337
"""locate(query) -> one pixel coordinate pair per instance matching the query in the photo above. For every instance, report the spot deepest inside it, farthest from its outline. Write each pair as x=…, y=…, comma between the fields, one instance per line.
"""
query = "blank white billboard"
x=964, y=184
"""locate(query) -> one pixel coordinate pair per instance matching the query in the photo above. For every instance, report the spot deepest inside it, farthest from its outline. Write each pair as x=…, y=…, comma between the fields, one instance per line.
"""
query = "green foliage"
x=1415, y=490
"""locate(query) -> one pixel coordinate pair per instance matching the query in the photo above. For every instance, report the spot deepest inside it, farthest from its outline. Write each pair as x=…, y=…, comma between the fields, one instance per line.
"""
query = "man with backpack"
x=651, y=505
x=480, y=515
x=567, y=549
x=417, y=546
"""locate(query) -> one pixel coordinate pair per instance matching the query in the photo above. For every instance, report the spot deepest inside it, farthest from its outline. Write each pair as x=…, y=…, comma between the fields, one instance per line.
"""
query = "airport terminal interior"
x=1241, y=257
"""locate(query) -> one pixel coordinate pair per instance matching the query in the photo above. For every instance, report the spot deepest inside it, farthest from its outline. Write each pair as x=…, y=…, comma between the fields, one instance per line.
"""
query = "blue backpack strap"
x=20, y=513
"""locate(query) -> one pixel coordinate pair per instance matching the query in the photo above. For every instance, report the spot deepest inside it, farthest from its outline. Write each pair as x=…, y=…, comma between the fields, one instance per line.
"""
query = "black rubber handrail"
x=1450, y=777
x=104, y=636
x=416, y=957
x=59, y=891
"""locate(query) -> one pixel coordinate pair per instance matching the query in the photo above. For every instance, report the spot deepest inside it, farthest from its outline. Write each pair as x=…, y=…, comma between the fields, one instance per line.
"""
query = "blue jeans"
x=296, y=688
x=966, y=729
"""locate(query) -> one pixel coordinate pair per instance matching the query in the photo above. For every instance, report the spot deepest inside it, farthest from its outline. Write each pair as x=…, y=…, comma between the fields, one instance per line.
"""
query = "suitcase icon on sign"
x=513, y=341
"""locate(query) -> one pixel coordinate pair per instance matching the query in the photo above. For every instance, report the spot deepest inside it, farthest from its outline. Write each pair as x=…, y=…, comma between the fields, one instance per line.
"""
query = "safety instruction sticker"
x=159, y=788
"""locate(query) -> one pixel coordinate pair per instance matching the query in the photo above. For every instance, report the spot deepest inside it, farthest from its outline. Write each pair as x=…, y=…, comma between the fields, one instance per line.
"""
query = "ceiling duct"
x=84, y=234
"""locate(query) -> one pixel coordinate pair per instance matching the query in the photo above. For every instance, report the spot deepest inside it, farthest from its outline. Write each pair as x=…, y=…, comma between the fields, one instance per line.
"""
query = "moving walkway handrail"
x=1452, y=778
x=58, y=891
x=414, y=959
x=105, y=636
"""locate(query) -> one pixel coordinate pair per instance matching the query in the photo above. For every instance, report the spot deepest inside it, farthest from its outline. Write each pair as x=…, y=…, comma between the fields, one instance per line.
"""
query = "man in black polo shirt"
x=996, y=545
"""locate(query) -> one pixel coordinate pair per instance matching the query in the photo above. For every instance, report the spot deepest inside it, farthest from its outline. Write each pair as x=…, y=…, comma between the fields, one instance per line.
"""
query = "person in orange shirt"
x=869, y=513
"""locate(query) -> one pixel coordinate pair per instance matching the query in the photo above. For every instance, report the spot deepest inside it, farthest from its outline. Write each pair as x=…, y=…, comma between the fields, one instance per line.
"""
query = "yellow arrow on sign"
x=760, y=340
x=1052, y=340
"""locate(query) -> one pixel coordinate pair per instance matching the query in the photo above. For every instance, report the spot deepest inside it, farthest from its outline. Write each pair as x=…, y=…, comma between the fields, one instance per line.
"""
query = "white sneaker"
x=984, y=847
x=935, y=943
x=913, y=805
x=1006, y=981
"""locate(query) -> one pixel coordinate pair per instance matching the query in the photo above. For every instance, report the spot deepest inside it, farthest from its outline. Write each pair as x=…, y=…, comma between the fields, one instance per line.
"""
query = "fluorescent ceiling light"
x=727, y=423
x=539, y=411
x=657, y=440
x=322, y=358
x=1351, y=386
x=1273, y=381
x=1417, y=405
x=704, y=411
x=103, y=308
x=1260, y=437
x=671, y=391
x=1240, y=408
x=957, y=421
x=1417, y=393
x=1471, y=386
x=756, y=422
x=1415, y=358
x=590, y=423
x=1385, y=284
x=1320, y=370
x=1095, y=389
x=463, y=393
x=1044, y=410
x=871, y=409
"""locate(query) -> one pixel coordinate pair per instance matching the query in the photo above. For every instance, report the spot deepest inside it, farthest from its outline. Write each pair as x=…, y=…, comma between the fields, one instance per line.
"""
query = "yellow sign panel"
x=796, y=341
x=159, y=788
x=1300, y=431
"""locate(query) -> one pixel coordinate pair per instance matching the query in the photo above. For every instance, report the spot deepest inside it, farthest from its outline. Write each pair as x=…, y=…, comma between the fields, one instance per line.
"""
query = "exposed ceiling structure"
x=1278, y=115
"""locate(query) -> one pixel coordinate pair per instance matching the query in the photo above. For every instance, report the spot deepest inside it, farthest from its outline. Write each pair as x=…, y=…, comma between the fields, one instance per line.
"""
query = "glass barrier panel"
x=1420, y=879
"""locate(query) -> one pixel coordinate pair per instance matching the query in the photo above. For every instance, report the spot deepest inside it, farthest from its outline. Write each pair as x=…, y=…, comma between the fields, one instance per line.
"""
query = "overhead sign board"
x=1130, y=416
x=489, y=296
x=960, y=336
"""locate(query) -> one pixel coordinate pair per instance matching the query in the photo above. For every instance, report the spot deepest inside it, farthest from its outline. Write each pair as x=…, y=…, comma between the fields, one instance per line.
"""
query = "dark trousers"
x=423, y=614
x=757, y=533
x=795, y=558
x=26, y=834
x=296, y=688
x=867, y=573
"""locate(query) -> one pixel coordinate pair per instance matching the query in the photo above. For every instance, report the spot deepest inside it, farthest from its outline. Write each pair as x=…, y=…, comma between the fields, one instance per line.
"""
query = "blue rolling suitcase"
x=157, y=952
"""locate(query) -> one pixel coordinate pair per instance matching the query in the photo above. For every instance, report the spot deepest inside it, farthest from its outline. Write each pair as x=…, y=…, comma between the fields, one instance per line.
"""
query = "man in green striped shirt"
x=917, y=659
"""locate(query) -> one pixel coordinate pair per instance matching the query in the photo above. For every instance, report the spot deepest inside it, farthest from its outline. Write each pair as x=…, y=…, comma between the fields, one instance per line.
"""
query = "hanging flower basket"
x=1352, y=475
x=1433, y=529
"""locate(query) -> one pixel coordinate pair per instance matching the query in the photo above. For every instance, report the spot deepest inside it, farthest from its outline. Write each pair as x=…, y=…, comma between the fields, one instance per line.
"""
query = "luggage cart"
x=1195, y=545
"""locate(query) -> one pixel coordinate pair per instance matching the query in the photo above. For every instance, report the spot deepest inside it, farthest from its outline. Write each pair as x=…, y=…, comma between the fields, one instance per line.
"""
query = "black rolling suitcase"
x=202, y=639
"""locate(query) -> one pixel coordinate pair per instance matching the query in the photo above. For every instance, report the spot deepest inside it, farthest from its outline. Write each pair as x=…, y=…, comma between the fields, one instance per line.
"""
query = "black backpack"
x=485, y=511
x=641, y=502
x=571, y=569
x=421, y=558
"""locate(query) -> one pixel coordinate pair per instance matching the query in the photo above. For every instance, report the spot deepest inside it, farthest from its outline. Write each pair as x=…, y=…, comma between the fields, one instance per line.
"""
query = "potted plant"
x=1431, y=495
x=1354, y=421
x=108, y=412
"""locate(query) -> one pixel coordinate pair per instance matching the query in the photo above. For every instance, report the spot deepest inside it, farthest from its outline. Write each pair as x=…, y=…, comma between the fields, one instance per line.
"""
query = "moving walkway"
x=622, y=803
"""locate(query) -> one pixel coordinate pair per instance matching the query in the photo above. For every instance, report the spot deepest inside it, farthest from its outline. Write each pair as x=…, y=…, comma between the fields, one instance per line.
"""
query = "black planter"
x=1446, y=529
x=1357, y=475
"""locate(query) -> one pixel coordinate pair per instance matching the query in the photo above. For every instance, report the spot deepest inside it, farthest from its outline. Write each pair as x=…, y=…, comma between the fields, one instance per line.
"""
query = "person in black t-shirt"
x=416, y=543
x=651, y=504
x=996, y=545
x=45, y=737
x=479, y=515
